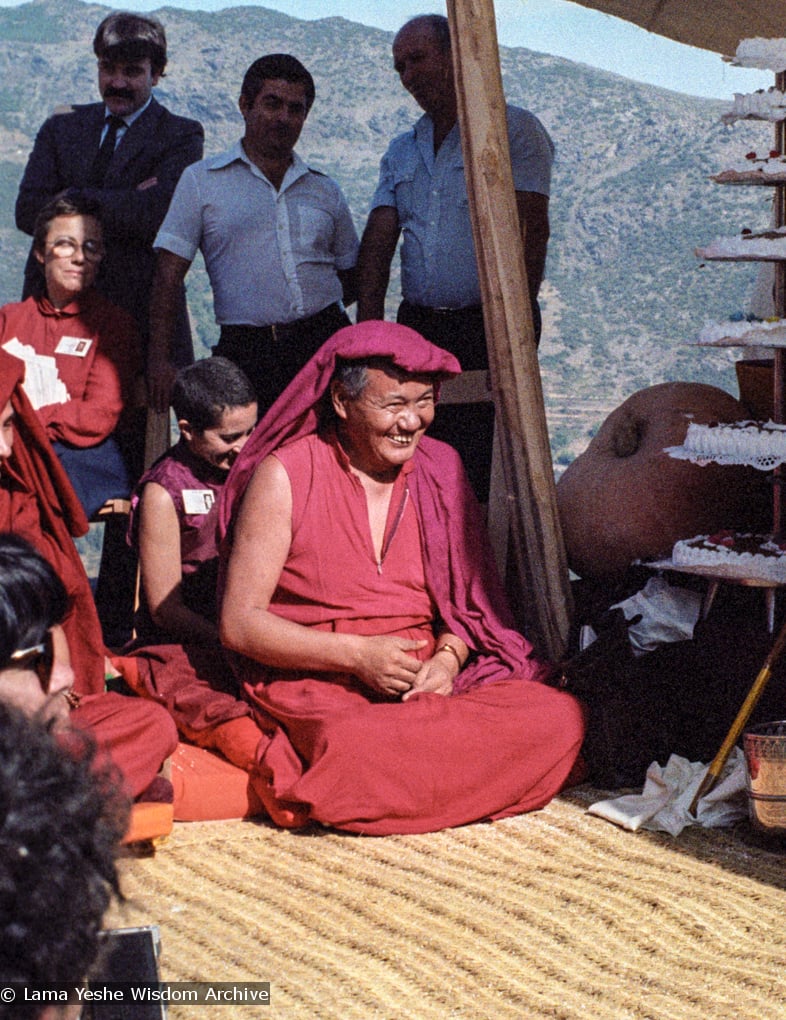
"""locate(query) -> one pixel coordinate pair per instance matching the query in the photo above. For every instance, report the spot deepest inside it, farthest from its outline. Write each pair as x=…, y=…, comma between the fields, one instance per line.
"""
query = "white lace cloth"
x=762, y=461
x=760, y=445
x=744, y=333
x=766, y=54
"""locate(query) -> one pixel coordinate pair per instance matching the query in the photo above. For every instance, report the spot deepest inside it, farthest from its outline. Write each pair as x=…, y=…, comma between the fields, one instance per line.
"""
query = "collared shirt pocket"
x=404, y=187
x=314, y=233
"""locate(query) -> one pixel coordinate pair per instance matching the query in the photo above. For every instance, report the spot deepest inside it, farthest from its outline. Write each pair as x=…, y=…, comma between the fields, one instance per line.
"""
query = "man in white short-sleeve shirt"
x=277, y=238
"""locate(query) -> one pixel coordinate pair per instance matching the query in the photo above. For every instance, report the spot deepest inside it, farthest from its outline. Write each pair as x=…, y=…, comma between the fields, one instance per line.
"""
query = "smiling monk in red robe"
x=372, y=635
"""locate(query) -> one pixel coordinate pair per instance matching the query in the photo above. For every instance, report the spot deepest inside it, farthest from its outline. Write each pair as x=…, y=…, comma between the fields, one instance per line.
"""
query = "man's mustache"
x=111, y=93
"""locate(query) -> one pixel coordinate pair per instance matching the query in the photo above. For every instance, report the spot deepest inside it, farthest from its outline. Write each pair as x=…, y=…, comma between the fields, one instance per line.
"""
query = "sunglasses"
x=39, y=659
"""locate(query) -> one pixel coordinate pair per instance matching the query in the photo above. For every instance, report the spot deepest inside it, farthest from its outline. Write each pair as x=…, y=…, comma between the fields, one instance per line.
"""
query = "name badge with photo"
x=198, y=501
x=77, y=346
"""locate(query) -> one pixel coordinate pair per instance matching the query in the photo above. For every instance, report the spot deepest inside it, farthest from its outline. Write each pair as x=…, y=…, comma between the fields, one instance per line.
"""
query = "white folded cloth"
x=42, y=382
x=663, y=805
x=668, y=613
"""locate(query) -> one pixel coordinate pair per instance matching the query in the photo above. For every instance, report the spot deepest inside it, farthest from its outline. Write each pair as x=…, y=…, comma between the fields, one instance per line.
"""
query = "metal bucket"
x=765, y=757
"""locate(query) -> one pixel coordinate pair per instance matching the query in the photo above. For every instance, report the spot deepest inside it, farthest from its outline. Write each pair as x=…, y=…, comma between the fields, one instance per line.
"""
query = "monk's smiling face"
x=381, y=428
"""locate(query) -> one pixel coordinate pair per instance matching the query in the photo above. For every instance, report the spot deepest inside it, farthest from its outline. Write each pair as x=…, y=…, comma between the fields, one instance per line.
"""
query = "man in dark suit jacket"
x=126, y=153
x=143, y=150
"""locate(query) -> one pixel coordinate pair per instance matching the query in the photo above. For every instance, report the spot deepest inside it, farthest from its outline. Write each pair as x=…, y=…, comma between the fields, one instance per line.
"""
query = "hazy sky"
x=550, y=26
x=563, y=29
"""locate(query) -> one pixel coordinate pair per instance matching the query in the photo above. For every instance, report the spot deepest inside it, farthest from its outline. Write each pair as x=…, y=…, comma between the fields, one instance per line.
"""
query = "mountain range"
x=631, y=198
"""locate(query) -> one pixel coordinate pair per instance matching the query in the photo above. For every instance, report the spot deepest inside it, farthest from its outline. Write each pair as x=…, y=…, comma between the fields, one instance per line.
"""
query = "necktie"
x=105, y=153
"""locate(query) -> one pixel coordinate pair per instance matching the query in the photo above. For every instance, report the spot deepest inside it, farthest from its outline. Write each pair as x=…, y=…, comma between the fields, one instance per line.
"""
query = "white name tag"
x=198, y=501
x=75, y=345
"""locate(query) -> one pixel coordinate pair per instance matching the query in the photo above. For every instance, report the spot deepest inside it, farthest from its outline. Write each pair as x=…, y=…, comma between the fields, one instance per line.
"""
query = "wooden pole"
x=779, y=356
x=157, y=438
x=539, y=586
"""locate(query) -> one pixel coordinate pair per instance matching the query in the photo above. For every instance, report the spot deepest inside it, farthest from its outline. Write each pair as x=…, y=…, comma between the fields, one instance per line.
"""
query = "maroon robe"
x=338, y=753
x=38, y=503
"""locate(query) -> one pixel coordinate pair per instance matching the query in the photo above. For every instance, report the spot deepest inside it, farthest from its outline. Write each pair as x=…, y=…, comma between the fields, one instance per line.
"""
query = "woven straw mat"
x=552, y=914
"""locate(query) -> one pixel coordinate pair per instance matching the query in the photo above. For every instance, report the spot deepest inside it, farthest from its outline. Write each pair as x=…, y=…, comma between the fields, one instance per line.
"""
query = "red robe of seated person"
x=339, y=754
x=136, y=735
x=38, y=502
x=194, y=682
x=99, y=379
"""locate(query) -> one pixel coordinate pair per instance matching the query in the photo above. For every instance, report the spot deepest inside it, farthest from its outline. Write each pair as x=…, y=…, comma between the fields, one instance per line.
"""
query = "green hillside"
x=631, y=197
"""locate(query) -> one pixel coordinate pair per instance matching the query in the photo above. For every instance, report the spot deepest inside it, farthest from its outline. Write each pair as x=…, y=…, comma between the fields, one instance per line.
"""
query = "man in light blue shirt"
x=277, y=237
x=422, y=194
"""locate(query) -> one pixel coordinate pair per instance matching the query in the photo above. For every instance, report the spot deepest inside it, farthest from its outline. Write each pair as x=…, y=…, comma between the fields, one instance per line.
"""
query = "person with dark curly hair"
x=36, y=675
x=61, y=821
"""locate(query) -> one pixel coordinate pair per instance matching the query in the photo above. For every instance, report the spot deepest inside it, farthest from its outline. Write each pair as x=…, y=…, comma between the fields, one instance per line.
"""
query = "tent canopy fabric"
x=716, y=25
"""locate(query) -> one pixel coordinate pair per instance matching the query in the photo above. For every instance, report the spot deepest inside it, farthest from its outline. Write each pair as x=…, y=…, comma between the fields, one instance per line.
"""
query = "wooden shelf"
x=766, y=338
x=730, y=573
x=716, y=576
x=741, y=258
x=759, y=182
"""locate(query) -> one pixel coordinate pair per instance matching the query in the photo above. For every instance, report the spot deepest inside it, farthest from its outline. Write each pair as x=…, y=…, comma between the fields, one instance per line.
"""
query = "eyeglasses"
x=66, y=247
x=39, y=659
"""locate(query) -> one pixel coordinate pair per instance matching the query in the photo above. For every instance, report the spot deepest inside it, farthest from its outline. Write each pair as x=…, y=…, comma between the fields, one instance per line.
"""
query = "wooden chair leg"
x=498, y=513
x=769, y=603
x=157, y=439
x=709, y=598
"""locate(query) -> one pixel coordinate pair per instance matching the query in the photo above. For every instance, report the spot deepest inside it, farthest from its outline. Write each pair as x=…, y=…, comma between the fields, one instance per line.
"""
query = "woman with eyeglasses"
x=81, y=353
